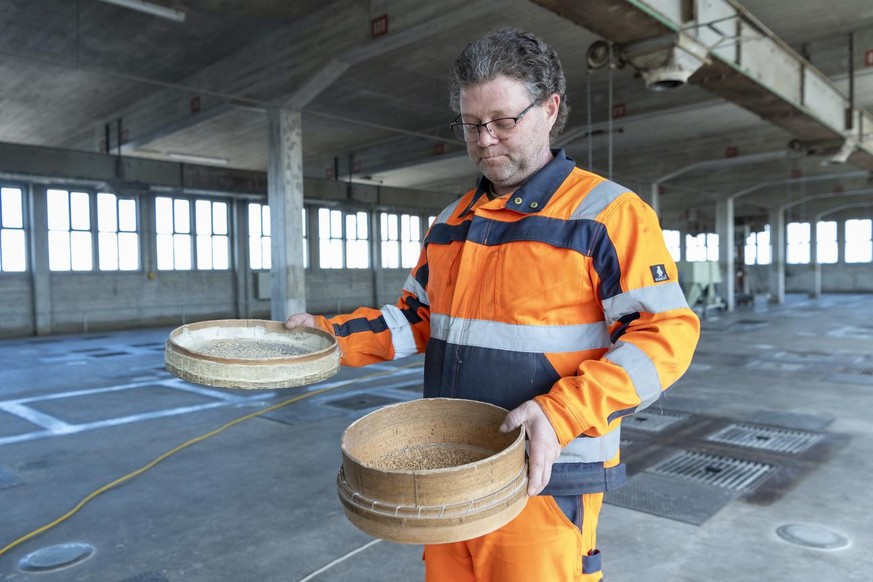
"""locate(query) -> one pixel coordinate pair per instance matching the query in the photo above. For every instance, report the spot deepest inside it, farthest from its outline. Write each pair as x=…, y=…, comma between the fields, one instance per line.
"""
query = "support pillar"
x=813, y=260
x=777, y=267
x=39, y=260
x=655, y=203
x=285, y=197
x=724, y=227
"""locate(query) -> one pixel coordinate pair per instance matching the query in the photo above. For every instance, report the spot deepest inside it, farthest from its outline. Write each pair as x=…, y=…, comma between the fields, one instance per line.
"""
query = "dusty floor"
x=762, y=451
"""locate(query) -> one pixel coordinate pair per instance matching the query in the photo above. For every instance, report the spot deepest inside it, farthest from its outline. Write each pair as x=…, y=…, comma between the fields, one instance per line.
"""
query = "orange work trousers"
x=542, y=544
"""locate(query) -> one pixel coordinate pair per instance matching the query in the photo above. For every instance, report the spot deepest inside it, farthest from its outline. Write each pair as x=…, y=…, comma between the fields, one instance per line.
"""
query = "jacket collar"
x=534, y=194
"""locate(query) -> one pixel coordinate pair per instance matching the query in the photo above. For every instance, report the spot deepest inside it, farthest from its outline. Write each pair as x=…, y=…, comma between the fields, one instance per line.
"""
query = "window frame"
x=341, y=243
x=24, y=228
x=137, y=232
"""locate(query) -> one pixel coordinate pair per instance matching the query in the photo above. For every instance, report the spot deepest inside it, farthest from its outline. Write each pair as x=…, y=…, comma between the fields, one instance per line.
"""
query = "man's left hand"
x=544, y=446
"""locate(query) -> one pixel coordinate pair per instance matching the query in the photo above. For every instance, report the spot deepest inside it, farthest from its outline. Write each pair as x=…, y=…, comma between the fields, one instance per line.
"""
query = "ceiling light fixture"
x=197, y=159
x=149, y=8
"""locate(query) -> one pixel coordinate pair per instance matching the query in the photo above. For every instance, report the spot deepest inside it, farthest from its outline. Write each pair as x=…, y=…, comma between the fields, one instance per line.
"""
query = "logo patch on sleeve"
x=659, y=273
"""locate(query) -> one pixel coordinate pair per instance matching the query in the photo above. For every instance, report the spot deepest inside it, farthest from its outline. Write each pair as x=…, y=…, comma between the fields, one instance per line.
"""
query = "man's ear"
x=553, y=105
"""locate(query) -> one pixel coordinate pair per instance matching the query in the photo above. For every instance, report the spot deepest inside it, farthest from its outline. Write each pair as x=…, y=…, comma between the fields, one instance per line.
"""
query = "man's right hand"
x=300, y=319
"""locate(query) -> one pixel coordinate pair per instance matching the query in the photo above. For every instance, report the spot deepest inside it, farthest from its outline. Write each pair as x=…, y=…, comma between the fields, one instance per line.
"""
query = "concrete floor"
x=257, y=502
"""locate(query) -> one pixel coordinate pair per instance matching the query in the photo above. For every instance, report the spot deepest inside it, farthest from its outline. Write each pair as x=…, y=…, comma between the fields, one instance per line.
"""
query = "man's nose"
x=485, y=137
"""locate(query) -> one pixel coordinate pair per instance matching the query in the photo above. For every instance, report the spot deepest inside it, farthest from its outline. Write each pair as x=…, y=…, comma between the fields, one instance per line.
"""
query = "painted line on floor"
x=56, y=427
x=53, y=426
x=48, y=422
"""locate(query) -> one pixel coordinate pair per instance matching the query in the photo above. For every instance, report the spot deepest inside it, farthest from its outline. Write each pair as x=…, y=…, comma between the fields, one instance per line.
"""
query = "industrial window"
x=702, y=247
x=401, y=240
x=859, y=240
x=69, y=231
x=757, y=251
x=305, y=223
x=173, y=231
x=259, y=237
x=343, y=239
x=117, y=236
x=212, y=242
x=673, y=241
x=357, y=241
x=797, y=243
x=12, y=244
x=826, y=243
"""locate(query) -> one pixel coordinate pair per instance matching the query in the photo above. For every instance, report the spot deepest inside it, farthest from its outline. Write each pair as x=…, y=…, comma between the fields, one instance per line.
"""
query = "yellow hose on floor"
x=186, y=444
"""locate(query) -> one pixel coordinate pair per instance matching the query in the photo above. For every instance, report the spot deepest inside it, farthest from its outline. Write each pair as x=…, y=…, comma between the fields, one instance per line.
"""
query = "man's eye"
x=503, y=123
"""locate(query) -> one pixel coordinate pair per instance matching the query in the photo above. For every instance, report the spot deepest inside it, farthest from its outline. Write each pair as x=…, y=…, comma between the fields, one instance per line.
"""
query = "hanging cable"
x=609, y=111
x=590, y=138
x=127, y=477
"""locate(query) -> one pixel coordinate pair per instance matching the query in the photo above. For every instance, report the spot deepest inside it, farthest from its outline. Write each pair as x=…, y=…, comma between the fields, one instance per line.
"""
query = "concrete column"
x=240, y=257
x=655, y=203
x=285, y=197
x=724, y=227
x=375, y=255
x=814, y=265
x=39, y=264
x=777, y=267
x=747, y=269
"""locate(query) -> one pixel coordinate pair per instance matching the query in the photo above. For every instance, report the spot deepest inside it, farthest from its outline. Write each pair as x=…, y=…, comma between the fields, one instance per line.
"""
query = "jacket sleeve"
x=653, y=332
x=370, y=335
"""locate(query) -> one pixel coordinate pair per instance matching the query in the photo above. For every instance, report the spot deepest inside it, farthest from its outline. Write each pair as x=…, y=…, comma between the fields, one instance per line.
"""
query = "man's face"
x=508, y=162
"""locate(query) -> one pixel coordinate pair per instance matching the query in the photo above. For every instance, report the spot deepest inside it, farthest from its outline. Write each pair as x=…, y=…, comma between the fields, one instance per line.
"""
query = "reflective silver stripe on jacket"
x=652, y=299
x=447, y=212
x=591, y=449
x=416, y=289
x=519, y=338
x=401, y=332
x=597, y=199
x=640, y=368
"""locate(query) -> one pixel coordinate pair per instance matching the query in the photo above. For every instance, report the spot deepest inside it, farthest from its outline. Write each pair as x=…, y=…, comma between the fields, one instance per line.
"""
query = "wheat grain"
x=240, y=349
x=430, y=456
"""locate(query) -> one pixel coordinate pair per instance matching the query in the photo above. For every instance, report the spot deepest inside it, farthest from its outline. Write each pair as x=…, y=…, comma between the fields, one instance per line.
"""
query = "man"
x=546, y=290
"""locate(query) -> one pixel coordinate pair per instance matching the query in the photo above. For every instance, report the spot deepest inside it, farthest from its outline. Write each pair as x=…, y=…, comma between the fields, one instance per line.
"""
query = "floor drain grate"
x=152, y=576
x=762, y=437
x=675, y=499
x=859, y=371
x=8, y=480
x=727, y=472
x=361, y=402
x=653, y=422
x=777, y=366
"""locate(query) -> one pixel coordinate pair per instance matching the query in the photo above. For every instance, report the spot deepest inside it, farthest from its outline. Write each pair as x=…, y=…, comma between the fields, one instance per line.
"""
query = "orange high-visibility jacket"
x=563, y=292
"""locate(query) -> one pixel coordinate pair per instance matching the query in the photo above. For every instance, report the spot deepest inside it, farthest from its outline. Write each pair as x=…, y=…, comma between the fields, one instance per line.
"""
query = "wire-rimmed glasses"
x=500, y=128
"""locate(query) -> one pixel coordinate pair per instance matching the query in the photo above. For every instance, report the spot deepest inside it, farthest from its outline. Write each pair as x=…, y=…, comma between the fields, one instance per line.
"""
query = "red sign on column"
x=731, y=151
x=379, y=25
x=618, y=110
x=868, y=58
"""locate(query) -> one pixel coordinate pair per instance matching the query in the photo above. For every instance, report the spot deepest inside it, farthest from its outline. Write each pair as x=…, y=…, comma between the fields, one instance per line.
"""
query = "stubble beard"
x=502, y=173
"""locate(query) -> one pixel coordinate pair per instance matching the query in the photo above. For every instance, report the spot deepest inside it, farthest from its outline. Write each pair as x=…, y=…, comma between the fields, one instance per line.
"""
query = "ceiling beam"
x=745, y=63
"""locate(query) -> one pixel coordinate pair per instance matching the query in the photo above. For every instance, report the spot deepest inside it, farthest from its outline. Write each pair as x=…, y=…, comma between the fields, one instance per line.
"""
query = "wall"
x=41, y=302
x=835, y=278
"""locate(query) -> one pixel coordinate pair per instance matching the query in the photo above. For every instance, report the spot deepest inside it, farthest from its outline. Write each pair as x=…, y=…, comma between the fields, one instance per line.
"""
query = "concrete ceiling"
x=73, y=73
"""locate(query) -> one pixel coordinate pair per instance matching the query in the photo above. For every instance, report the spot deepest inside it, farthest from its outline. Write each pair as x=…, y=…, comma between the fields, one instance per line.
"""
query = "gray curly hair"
x=516, y=54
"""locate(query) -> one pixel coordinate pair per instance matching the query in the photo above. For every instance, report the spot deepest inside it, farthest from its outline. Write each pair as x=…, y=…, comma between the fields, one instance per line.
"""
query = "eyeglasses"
x=500, y=128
